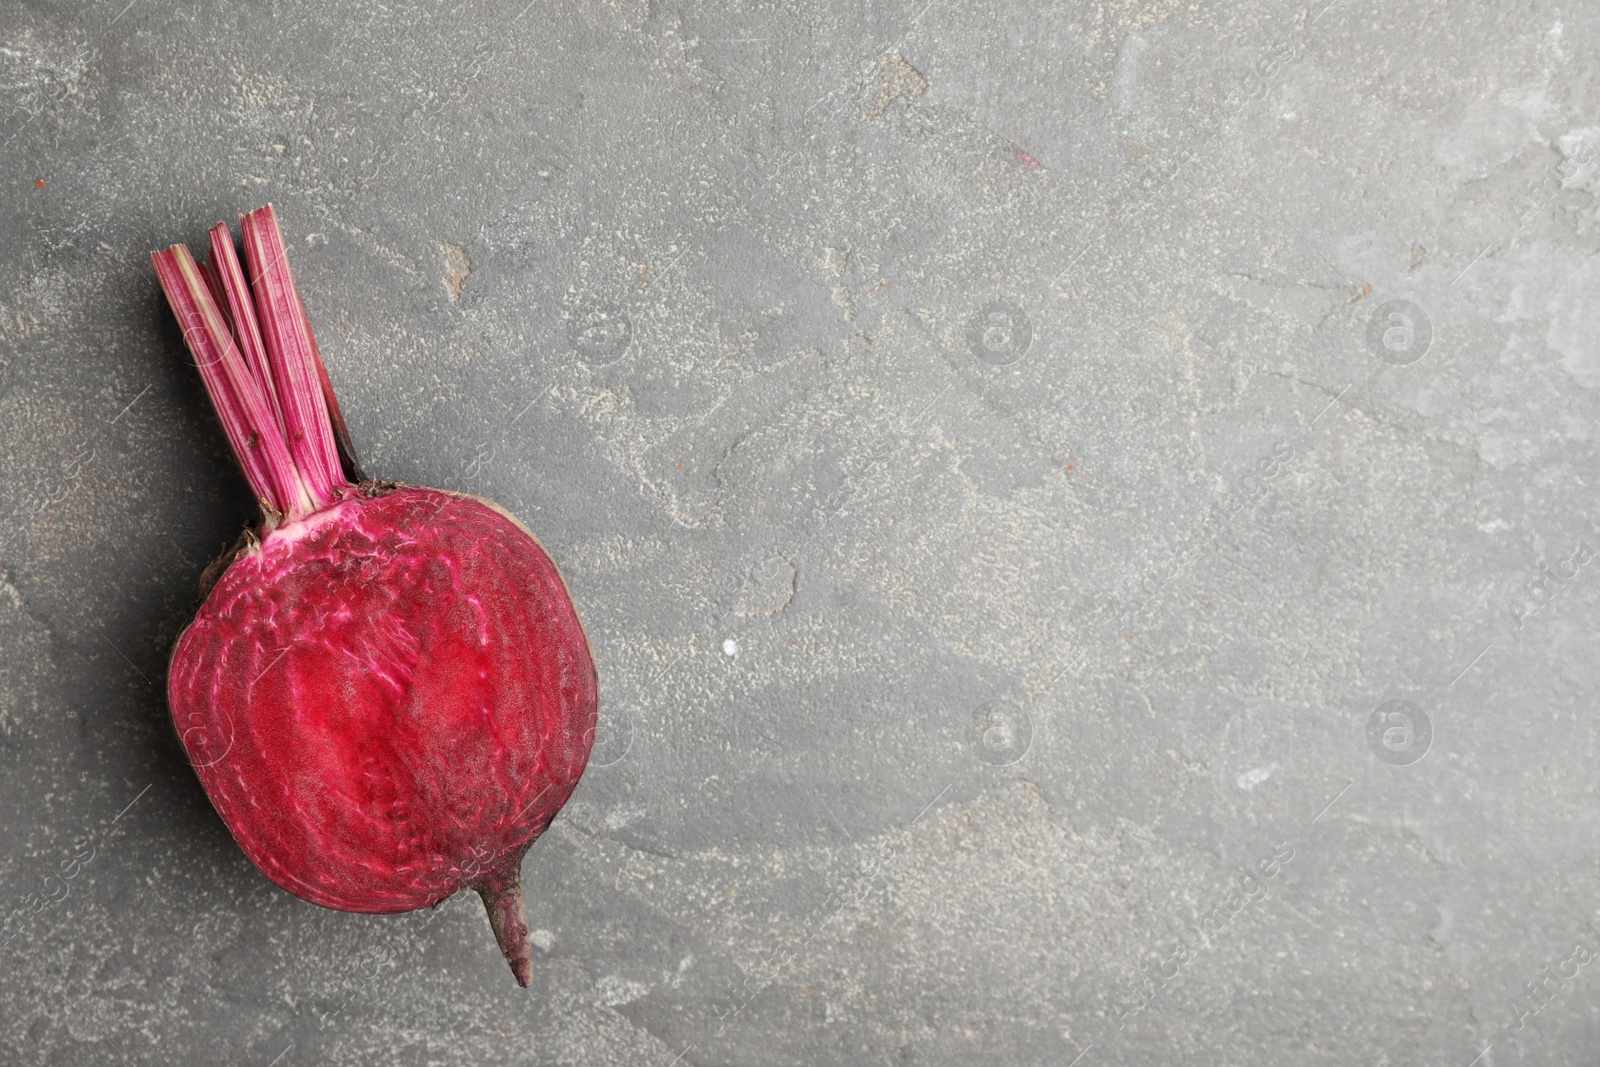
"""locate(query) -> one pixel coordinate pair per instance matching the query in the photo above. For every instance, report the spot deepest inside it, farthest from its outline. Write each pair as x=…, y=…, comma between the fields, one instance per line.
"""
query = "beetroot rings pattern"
x=386, y=692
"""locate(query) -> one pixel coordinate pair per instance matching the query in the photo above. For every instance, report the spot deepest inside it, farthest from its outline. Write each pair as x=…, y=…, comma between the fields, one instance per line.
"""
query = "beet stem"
x=292, y=354
x=241, y=308
x=245, y=412
x=259, y=359
x=502, y=896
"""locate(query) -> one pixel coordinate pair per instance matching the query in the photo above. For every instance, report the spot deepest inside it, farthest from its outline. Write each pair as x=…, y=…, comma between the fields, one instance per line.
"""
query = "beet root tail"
x=502, y=896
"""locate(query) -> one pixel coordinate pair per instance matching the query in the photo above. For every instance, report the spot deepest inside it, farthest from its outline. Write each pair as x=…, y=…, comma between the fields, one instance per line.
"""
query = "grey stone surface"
x=1084, y=513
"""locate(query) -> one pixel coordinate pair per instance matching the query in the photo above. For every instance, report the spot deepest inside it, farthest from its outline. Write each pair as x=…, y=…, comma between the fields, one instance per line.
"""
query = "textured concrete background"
x=1085, y=514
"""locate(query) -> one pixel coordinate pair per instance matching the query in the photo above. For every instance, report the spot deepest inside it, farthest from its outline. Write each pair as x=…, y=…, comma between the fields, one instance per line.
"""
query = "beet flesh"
x=388, y=700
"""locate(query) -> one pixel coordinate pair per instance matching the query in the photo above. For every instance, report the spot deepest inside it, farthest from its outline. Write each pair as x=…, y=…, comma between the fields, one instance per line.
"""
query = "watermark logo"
x=1556, y=979
x=599, y=332
x=1399, y=733
x=1000, y=334
x=207, y=739
x=1002, y=733
x=610, y=739
x=473, y=466
x=1399, y=333
x=1547, y=584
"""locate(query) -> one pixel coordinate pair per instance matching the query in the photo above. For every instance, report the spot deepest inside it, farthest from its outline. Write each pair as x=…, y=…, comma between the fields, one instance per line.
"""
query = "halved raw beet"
x=387, y=692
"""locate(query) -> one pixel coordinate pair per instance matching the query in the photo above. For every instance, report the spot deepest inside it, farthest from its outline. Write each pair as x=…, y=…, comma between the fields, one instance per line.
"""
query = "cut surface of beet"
x=387, y=700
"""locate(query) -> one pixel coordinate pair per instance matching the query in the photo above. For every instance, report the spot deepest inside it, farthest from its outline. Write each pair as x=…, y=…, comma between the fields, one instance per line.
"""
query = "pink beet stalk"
x=224, y=266
x=246, y=415
x=292, y=355
x=386, y=691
